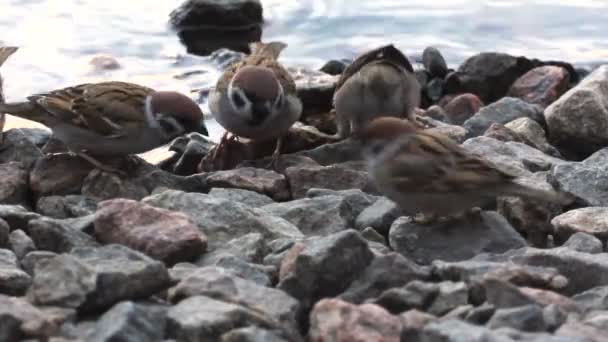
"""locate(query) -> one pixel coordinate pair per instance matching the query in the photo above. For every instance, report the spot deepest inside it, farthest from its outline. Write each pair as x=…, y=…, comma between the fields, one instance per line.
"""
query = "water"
x=59, y=37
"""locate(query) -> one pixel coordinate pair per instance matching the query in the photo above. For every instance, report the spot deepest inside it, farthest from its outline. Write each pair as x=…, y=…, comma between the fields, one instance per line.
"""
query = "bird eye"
x=237, y=99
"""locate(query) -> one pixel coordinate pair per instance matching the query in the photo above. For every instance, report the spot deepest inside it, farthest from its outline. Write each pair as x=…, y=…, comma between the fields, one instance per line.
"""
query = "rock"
x=59, y=174
x=128, y=321
x=454, y=132
x=336, y=153
x=435, y=112
x=100, y=186
x=326, y=267
x=251, y=248
x=62, y=207
x=315, y=216
x=500, y=132
x=526, y=318
x=461, y=108
x=334, y=177
x=593, y=299
x=335, y=320
x=16, y=216
x=503, y=111
x=480, y=315
x=590, y=220
x=323, y=121
x=450, y=295
x=598, y=319
x=384, y=272
x=202, y=318
x=434, y=63
x=220, y=284
x=189, y=149
x=204, y=26
x=162, y=234
x=253, y=334
x=13, y=281
x=580, y=116
x=315, y=89
x=19, y=145
x=283, y=162
x=453, y=330
x=533, y=134
x=583, y=332
x=414, y=322
x=379, y=216
x=357, y=199
x=247, y=197
x=416, y=295
x=102, y=62
x=424, y=244
x=253, y=272
x=4, y=234
x=21, y=244
x=460, y=312
x=22, y=320
x=222, y=220
x=584, y=243
x=91, y=279
x=61, y=236
x=14, y=185
x=29, y=261
x=434, y=89
x=262, y=181
x=334, y=67
x=584, y=179
x=542, y=85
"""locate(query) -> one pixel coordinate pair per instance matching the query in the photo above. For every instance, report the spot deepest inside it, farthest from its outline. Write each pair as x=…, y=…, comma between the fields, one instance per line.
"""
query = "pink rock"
x=333, y=320
x=546, y=297
x=263, y=181
x=461, y=108
x=542, y=85
x=288, y=263
x=162, y=234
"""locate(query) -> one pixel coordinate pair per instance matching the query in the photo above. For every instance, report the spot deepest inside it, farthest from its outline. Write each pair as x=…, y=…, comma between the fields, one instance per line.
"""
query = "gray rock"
x=247, y=197
x=424, y=244
x=245, y=270
x=415, y=295
x=4, y=233
x=511, y=334
x=584, y=243
x=21, y=244
x=61, y=236
x=554, y=317
x=578, y=120
x=13, y=280
x=502, y=111
x=526, y=318
x=533, y=134
x=579, y=332
x=16, y=216
x=593, y=299
x=22, y=320
x=590, y=220
x=334, y=177
x=454, y=132
x=480, y=315
x=379, y=216
x=460, y=312
x=598, y=319
x=62, y=207
x=584, y=179
x=14, y=187
x=128, y=321
x=357, y=199
x=222, y=220
x=450, y=296
x=18, y=147
x=336, y=153
x=315, y=216
x=454, y=330
x=28, y=263
x=260, y=180
x=253, y=334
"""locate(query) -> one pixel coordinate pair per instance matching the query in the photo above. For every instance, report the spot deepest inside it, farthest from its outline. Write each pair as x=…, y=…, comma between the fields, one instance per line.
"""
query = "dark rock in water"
x=334, y=67
x=164, y=235
x=379, y=216
x=21, y=243
x=28, y=263
x=533, y=134
x=454, y=241
x=247, y=197
x=17, y=216
x=503, y=111
x=461, y=108
x=61, y=236
x=22, y=320
x=335, y=320
x=19, y=147
x=585, y=243
x=590, y=220
x=315, y=89
x=59, y=174
x=263, y=181
x=333, y=177
x=13, y=280
x=62, y=207
x=525, y=318
x=207, y=25
x=542, y=85
x=4, y=233
x=254, y=334
x=434, y=63
x=129, y=321
x=14, y=186
x=415, y=295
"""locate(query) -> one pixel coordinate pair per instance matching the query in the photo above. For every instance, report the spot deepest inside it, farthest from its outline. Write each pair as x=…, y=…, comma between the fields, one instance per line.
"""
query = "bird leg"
x=275, y=155
x=99, y=165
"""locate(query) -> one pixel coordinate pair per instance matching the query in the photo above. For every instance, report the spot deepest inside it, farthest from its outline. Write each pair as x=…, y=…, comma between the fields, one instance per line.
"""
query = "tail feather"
x=272, y=49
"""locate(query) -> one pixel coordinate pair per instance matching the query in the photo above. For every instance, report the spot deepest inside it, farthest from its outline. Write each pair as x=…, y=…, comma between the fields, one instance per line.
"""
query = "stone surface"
x=379, y=216
x=19, y=145
x=525, y=318
x=452, y=330
x=593, y=299
x=13, y=280
x=503, y=111
x=258, y=274
x=533, y=134
x=128, y=321
x=500, y=132
x=590, y=220
x=28, y=263
x=335, y=320
x=250, y=247
x=454, y=242
x=585, y=243
x=357, y=199
x=542, y=85
x=162, y=234
x=259, y=180
x=336, y=153
x=450, y=296
x=222, y=220
x=582, y=332
x=189, y=149
x=581, y=115
x=434, y=62
x=61, y=207
x=14, y=185
x=21, y=243
x=59, y=174
x=4, y=233
x=461, y=108
x=254, y=334
x=314, y=88
x=61, y=236
x=416, y=295
x=247, y=197
x=334, y=177
x=17, y=216
x=22, y=320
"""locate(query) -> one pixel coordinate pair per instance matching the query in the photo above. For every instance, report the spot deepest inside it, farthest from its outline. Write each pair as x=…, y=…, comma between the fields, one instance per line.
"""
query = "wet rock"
x=329, y=154
x=315, y=89
x=20, y=243
x=461, y=108
x=542, y=85
x=62, y=207
x=335, y=320
x=29, y=261
x=450, y=295
x=259, y=180
x=204, y=26
x=525, y=318
x=13, y=280
x=590, y=220
x=503, y=111
x=61, y=236
x=434, y=63
x=59, y=174
x=533, y=134
x=162, y=234
x=334, y=177
x=502, y=133
x=580, y=116
x=326, y=267
x=247, y=197
x=584, y=243
x=14, y=185
x=221, y=284
x=416, y=295
x=19, y=145
x=222, y=220
x=128, y=321
x=21, y=320
x=423, y=244
x=334, y=67
x=4, y=233
x=593, y=299
x=315, y=216
x=379, y=216
x=17, y=216
x=583, y=332
x=254, y=334
x=384, y=272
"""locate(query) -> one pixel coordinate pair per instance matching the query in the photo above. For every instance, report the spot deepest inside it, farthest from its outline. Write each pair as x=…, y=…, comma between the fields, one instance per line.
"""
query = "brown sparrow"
x=256, y=98
x=5, y=53
x=111, y=118
x=427, y=173
x=379, y=82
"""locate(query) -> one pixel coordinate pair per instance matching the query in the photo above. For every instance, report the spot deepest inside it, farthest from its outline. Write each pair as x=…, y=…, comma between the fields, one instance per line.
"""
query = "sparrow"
x=380, y=82
x=429, y=175
x=5, y=53
x=111, y=118
x=256, y=98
